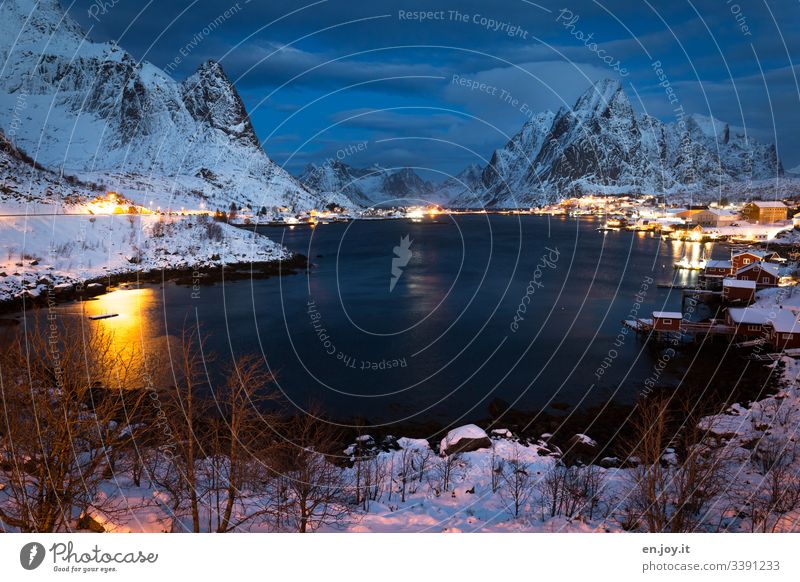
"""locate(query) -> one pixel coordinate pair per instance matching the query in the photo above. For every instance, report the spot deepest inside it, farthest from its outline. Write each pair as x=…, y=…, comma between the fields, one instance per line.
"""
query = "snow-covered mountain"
x=27, y=187
x=601, y=145
x=467, y=183
x=368, y=186
x=91, y=109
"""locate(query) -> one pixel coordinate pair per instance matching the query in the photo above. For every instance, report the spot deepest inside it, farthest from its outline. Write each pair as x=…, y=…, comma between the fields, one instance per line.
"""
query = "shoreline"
x=191, y=275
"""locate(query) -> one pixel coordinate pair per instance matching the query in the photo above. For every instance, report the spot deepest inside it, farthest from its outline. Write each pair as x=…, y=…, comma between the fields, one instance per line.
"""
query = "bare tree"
x=175, y=470
x=777, y=493
x=240, y=439
x=516, y=485
x=64, y=395
x=667, y=497
x=311, y=487
x=445, y=470
x=496, y=467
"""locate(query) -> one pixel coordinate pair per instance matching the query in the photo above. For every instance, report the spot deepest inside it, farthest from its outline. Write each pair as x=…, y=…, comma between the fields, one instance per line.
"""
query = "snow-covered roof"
x=717, y=264
x=668, y=315
x=721, y=213
x=785, y=322
x=770, y=268
x=744, y=284
x=768, y=204
x=749, y=315
x=754, y=252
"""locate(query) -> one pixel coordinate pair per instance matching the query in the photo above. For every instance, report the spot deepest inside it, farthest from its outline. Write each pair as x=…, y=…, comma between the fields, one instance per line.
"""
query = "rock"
x=464, y=439
x=610, y=462
x=87, y=522
x=581, y=448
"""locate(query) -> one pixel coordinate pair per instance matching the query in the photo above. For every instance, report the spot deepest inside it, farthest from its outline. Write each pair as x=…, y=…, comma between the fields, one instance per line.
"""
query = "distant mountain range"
x=91, y=111
x=378, y=186
x=600, y=145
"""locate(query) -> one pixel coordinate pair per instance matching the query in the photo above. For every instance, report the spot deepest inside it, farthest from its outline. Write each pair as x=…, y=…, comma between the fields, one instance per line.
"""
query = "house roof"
x=785, y=322
x=749, y=315
x=754, y=252
x=770, y=268
x=721, y=213
x=768, y=204
x=738, y=283
x=716, y=264
x=668, y=315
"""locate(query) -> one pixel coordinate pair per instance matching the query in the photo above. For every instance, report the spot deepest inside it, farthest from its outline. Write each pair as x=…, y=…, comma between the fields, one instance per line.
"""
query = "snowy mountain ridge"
x=601, y=145
x=369, y=186
x=92, y=110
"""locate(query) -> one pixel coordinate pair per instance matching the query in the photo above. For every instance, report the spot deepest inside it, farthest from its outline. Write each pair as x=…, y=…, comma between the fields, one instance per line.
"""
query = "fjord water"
x=443, y=344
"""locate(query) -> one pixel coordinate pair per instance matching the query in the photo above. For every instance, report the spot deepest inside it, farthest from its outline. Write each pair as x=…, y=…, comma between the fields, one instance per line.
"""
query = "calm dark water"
x=443, y=345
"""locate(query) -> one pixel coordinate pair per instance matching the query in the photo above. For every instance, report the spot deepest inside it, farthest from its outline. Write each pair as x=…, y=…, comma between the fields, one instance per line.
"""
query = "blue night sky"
x=320, y=77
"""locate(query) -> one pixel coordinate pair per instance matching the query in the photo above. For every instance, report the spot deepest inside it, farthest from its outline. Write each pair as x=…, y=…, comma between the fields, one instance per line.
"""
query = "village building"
x=717, y=268
x=667, y=321
x=743, y=258
x=738, y=290
x=763, y=212
x=748, y=322
x=714, y=217
x=783, y=330
x=796, y=220
x=688, y=213
x=764, y=274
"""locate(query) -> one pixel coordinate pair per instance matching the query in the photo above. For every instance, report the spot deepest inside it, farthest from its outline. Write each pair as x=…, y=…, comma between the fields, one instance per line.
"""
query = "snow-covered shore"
x=48, y=251
x=509, y=485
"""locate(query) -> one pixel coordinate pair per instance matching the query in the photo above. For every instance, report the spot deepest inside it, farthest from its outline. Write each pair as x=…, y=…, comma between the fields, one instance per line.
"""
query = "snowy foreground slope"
x=91, y=110
x=514, y=486
x=41, y=251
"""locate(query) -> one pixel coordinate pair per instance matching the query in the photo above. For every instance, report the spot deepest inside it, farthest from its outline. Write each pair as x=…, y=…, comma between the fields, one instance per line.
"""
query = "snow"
x=91, y=110
x=718, y=264
x=742, y=284
x=667, y=315
x=468, y=431
x=749, y=315
x=785, y=322
x=584, y=440
x=72, y=248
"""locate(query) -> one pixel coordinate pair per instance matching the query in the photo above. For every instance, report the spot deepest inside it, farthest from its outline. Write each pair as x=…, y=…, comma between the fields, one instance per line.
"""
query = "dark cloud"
x=301, y=65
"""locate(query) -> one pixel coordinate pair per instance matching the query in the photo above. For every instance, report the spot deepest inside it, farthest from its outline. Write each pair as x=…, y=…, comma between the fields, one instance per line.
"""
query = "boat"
x=103, y=316
x=691, y=264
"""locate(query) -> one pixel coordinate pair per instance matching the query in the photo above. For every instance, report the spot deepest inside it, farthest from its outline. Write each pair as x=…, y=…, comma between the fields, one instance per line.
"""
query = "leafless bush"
x=445, y=471
x=311, y=489
x=670, y=498
x=64, y=409
x=517, y=485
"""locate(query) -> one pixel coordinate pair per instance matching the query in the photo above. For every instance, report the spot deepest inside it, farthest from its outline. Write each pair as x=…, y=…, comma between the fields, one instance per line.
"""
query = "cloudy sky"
x=439, y=93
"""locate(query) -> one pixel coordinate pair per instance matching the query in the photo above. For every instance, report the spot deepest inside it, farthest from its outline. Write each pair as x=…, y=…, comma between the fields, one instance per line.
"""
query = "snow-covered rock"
x=463, y=439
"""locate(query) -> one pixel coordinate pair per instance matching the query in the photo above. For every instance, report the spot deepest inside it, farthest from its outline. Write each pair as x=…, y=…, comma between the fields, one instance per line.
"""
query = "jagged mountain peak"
x=210, y=97
x=601, y=97
x=92, y=110
x=602, y=145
